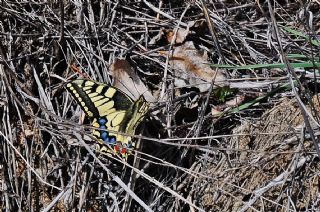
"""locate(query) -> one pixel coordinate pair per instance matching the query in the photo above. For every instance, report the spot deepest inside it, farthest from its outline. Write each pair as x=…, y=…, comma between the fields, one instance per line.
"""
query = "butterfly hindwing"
x=115, y=115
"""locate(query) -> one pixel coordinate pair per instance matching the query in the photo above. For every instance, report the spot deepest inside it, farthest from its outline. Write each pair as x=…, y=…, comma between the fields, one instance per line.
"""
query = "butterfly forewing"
x=97, y=99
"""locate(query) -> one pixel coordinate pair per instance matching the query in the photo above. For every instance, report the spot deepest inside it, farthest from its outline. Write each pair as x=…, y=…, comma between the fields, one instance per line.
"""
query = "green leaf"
x=301, y=34
x=222, y=93
x=269, y=66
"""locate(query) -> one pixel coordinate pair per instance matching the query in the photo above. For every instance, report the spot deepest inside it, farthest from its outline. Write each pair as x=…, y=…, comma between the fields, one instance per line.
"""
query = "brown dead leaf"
x=236, y=101
x=215, y=111
x=126, y=79
x=180, y=36
x=219, y=109
x=193, y=27
x=78, y=70
x=192, y=68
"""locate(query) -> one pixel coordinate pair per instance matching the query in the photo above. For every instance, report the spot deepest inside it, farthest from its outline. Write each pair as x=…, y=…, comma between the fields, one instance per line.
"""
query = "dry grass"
x=263, y=158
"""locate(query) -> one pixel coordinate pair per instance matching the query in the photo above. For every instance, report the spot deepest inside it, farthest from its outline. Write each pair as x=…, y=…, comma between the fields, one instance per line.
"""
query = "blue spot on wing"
x=119, y=148
x=104, y=135
x=113, y=140
x=102, y=121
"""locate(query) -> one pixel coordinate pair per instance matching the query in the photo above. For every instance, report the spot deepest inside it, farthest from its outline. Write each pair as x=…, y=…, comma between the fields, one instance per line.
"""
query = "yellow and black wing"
x=113, y=112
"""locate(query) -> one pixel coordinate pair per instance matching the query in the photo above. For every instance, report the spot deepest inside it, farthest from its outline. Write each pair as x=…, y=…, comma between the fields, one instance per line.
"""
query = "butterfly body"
x=115, y=115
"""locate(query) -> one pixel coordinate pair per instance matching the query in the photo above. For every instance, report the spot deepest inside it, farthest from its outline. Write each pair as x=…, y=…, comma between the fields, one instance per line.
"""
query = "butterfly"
x=115, y=115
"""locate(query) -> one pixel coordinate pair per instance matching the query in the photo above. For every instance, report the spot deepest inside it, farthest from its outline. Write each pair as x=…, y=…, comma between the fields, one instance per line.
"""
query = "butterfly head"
x=139, y=110
x=141, y=106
